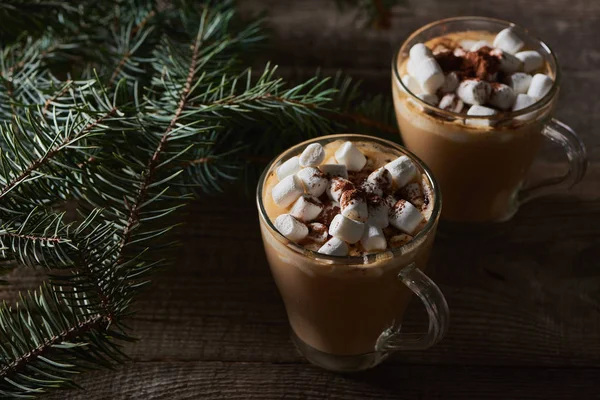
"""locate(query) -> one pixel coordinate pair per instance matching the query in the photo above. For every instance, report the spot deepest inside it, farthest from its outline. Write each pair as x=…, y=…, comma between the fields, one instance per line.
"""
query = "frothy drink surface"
x=342, y=308
x=479, y=164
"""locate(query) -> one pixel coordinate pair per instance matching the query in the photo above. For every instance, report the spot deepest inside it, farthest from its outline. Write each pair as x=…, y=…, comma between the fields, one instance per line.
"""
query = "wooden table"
x=525, y=305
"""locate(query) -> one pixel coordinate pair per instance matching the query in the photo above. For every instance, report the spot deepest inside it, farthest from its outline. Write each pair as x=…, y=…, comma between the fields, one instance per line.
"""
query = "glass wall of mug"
x=346, y=312
x=481, y=162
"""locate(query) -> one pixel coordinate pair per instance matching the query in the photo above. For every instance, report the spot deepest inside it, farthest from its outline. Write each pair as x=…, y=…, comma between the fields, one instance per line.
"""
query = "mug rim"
x=369, y=258
x=500, y=116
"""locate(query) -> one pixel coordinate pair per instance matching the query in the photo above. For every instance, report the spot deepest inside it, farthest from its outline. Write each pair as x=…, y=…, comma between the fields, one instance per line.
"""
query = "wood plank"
x=220, y=380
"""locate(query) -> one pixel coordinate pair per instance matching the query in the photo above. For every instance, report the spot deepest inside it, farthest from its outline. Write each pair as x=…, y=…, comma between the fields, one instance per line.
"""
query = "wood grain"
x=265, y=381
x=525, y=302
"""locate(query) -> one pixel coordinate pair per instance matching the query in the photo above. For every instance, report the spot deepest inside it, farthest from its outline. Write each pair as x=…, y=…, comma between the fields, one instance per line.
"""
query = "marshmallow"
x=314, y=181
x=378, y=211
x=346, y=229
x=508, y=41
x=306, y=208
x=478, y=45
x=428, y=98
x=331, y=170
x=378, y=181
x=335, y=247
x=312, y=156
x=451, y=82
x=451, y=102
x=402, y=170
x=373, y=238
x=413, y=193
x=399, y=240
x=291, y=228
x=502, y=96
x=317, y=232
x=460, y=51
x=540, y=86
x=411, y=84
x=419, y=51
x=337, y=186
x=482, y=111
x=405, y=216
x=523, y=101
x=439, y=49
x=411, y=67
x=287, y=191
x=519, y=82
x=532, y=60
x=353, y=204
x=467, y=43
x=473, y=91
x=350, y=156
x=290, y=167
x=429, y=75
x=508, y=63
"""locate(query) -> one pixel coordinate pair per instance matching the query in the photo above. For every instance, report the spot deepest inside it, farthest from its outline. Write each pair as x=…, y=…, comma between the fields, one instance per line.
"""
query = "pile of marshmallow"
x=303, y=179
x=427, y=80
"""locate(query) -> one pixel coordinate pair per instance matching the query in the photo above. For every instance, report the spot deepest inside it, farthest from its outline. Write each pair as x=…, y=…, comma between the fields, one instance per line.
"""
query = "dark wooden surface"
x=525, y=305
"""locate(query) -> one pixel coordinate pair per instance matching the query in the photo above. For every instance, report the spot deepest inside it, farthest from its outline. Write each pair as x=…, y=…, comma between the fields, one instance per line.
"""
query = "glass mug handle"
x=560, y=133
x=437, y=310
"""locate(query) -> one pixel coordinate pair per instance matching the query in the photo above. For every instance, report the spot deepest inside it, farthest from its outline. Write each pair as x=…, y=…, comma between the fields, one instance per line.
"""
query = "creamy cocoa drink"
x=462, y=97
x=341, y=217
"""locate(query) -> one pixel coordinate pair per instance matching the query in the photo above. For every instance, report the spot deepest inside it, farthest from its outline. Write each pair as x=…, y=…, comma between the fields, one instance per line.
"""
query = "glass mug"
x=346, y=312
x=481, y=170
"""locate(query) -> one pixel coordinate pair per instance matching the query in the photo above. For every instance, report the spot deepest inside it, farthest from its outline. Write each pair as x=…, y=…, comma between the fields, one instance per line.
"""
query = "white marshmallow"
x=419, y=51
x=460, y=51
x=312, y=156
x=413, y=193
x=405, y=216
x=378, y=212
x=314, y=181
x=337, y=186
x=540, y=86
x=378, y=181
x=399, y=240
x=502, y=96
x=353, y=204
x=317, y=232
x=508, y=63
x=532, y=60
x=335, y=247
x=428, y=98
x=479, y=44
x=451, y=102
x=411, y=67
x=306, y=208
x=373, y=238
x=523, y=101
x=402, y=170
x=290, y=167
x=473, y=91
x=451, y=82
x=346, y=229
x=482, y=111
x=350, y=156
x=467, y=44
x=429, y=75
x=411, y=84
x=519, y=82
x=507, y=40
x=287, y=191
x=291, y=228
x=332, y=170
